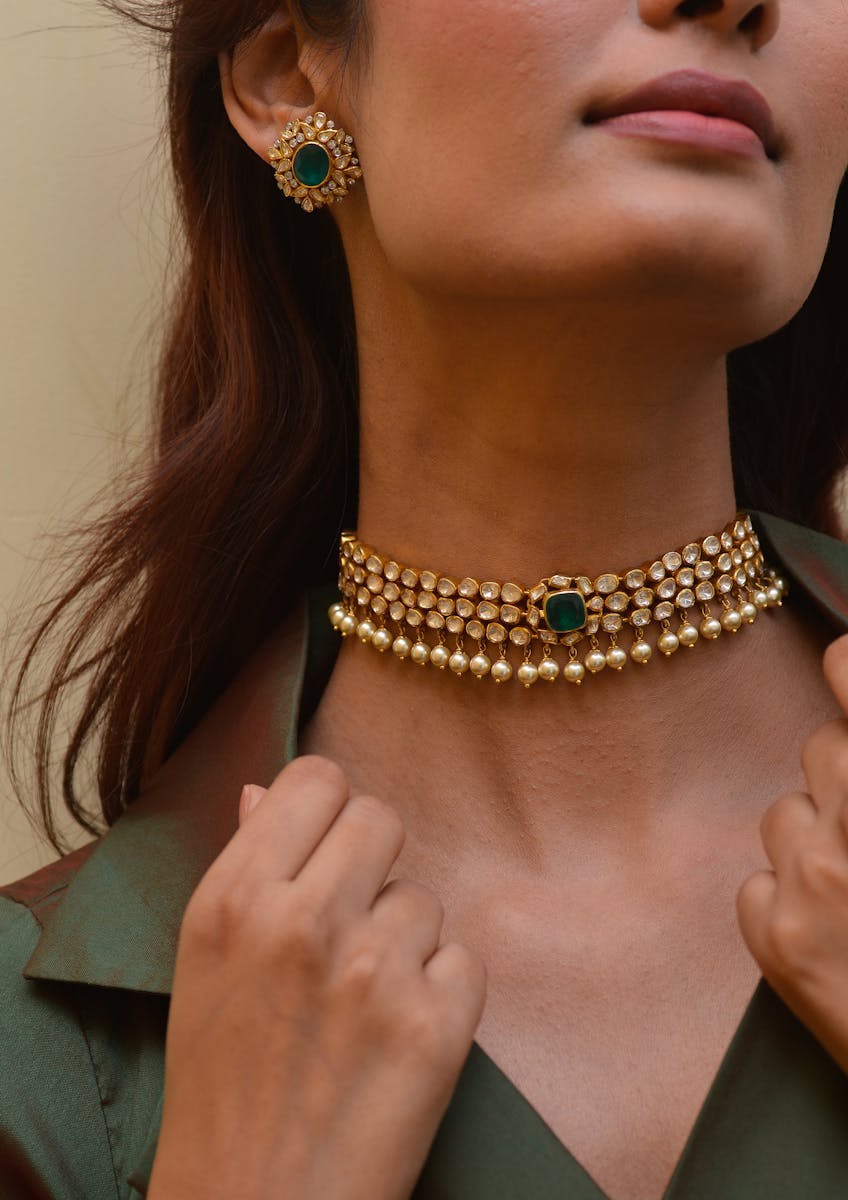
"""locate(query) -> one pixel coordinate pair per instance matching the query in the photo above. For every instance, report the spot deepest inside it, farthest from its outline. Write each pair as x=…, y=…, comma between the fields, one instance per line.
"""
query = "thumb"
x=251, y=794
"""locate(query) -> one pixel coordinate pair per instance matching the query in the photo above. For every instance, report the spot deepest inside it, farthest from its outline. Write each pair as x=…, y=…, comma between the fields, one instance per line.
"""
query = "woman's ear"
x=264, y=83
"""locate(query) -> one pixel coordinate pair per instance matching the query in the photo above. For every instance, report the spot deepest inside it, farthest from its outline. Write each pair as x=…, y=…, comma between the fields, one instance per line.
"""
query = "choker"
x=391, y=605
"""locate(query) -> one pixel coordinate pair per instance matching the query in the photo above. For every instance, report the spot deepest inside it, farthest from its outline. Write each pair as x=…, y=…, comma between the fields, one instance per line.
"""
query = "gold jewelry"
x=560, y=610
x=315, y=163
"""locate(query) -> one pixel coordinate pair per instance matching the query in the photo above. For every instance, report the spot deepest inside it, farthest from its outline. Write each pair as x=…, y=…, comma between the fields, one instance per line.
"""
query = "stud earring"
x=315, y=163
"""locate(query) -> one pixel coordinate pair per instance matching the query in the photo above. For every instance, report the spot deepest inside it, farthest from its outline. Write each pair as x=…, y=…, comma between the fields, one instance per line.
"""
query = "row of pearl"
x=548, y=669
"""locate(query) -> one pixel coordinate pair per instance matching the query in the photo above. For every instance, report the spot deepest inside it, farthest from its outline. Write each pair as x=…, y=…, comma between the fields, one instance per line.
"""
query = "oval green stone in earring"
x=311, y=164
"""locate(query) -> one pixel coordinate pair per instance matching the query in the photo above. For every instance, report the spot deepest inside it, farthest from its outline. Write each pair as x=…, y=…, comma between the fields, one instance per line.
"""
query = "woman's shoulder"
x=80, y=1065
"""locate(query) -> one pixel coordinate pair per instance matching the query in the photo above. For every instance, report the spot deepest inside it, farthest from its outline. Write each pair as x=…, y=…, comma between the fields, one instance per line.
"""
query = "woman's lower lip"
x=693, y=128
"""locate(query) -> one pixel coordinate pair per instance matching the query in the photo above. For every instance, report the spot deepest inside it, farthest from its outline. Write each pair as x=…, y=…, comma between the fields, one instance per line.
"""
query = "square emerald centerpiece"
x=565, y=611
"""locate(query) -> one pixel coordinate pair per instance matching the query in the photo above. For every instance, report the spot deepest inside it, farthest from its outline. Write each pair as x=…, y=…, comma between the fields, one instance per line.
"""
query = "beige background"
x=83, y=218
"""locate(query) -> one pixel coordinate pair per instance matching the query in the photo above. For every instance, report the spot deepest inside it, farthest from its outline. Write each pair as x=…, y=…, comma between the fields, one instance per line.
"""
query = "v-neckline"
x=591, y=1189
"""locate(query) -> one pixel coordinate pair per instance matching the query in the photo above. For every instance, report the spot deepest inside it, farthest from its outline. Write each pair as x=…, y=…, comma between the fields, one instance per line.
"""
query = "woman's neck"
x=535, y=446
x=517, y=451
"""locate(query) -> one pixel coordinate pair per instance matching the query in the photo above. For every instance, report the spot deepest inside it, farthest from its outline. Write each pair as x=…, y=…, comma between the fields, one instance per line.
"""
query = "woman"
x=583, y=937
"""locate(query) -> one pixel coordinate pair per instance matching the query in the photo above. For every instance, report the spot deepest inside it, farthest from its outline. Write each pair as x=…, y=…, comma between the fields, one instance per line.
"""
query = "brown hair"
x=256, y=449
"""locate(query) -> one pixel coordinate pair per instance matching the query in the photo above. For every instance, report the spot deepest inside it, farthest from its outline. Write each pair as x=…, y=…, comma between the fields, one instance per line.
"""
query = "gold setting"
x=393, y=605
x=344, y=169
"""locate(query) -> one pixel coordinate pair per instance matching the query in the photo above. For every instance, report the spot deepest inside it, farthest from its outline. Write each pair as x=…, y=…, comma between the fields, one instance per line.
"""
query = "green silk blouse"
x=87, y=946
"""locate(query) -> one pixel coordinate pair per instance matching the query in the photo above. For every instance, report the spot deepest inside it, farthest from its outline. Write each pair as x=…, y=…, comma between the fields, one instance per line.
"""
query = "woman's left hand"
x=794, y=918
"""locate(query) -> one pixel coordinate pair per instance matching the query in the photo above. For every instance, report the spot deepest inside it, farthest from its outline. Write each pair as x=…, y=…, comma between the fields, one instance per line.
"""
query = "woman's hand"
x=317, y=1027
x=794, y=918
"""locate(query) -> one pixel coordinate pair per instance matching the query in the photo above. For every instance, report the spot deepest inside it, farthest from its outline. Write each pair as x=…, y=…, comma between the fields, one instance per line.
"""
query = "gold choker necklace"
x=560, y=610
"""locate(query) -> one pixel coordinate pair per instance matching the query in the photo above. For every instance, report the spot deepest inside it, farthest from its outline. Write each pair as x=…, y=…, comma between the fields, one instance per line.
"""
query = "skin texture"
x=543, y=314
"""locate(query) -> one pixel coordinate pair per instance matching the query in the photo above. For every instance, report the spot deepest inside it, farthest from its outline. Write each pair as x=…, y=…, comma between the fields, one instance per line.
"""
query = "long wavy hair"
x=254, y=464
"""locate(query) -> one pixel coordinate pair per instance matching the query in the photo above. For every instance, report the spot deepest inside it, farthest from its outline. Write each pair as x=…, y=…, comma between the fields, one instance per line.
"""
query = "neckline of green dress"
x=771, y=1063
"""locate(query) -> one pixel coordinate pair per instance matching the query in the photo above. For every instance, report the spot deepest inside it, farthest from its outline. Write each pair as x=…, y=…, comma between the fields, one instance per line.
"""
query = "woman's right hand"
x=317, y=1028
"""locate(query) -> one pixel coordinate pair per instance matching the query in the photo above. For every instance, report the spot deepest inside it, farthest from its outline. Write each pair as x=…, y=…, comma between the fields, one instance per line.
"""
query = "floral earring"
x=314, y=162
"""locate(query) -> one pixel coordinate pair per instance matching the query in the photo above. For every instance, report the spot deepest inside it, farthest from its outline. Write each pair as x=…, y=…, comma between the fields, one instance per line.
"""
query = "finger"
x=784, y=826
x=410, y=916
x=458, y=972
x=835, y=667
x=282, y=832
x=824, y=758
x=349, y=866
x=754, y=903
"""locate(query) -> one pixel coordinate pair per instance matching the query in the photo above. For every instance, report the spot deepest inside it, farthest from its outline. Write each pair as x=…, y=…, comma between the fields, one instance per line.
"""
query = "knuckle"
x=361, y=968
x=823, y=870
x=814, y=866
x=423, y=1031
x=787, y=936
x=211, y=910
x=302, y=933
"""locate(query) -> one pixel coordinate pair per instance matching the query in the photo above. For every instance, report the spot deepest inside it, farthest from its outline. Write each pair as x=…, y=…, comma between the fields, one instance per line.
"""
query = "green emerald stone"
x=565, y=611
x=311, y=164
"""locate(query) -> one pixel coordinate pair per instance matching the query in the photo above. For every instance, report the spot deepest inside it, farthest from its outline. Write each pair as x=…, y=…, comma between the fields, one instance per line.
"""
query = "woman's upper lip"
x=701, y=92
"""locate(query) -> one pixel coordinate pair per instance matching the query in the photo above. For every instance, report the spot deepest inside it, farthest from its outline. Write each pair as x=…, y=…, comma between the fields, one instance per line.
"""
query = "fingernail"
x=250, y=797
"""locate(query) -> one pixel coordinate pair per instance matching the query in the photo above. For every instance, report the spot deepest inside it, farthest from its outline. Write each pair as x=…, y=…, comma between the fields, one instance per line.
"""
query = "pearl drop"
x=731, y=619
x=668, y=642
x=574, y=671
x=616, y=657
x=548, y=669
x=401, y=646
x=439, y=656
x=773, y=595
x=347, y=625
x=382, y=639
x=710, y=627
x=595, y=660
x=336, y=612
x=641, y=651
x=528, y=673
x=366, y=630
x=458, y=662
x=420, y=653
x=480, y=665
x=749, y=611
x=501, y=670
x=688, y=635
x=761, y=599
